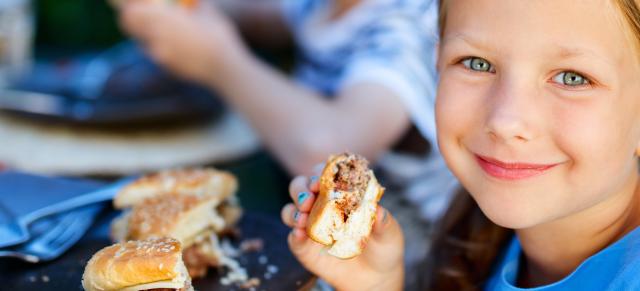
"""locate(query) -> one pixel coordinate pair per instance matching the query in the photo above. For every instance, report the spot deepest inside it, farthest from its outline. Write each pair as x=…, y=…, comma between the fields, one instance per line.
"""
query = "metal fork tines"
x=52, y=242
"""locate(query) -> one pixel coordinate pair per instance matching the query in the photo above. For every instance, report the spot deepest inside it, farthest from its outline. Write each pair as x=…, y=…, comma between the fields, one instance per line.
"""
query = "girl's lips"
x=511, y=171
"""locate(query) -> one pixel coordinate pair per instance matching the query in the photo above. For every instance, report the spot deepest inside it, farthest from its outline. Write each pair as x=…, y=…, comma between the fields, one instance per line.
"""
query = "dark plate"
x=65, y=273
x=118, y=86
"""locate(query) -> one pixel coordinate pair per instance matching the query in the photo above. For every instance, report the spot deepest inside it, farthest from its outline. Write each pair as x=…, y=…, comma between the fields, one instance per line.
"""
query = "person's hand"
x=192, y=43
x=379, y=267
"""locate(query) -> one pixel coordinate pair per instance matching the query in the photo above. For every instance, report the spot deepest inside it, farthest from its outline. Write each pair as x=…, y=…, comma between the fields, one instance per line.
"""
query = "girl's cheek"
x=455, y=108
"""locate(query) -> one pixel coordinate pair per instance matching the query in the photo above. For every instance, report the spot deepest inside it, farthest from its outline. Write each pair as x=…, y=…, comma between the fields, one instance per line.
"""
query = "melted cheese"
x=155, y=285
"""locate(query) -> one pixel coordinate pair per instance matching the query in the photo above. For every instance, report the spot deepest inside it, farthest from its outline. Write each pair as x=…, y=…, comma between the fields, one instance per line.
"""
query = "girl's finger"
x=385, y=227
x=296, y=237
x=301, y=194
x=314, y=184
x=287, y=215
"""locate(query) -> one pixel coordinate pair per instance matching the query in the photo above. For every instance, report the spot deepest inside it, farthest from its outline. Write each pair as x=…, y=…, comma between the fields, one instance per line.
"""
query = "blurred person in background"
x=363, y=80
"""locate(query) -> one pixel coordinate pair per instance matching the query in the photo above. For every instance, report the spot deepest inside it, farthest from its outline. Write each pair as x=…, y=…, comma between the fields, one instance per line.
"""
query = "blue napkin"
x=22, y=195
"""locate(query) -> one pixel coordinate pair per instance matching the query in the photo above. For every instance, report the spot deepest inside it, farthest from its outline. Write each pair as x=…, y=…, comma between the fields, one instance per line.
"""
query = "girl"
x=539, y=118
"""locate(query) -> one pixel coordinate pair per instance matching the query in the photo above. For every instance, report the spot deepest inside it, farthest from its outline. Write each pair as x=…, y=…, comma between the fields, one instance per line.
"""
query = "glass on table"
x=16, y=39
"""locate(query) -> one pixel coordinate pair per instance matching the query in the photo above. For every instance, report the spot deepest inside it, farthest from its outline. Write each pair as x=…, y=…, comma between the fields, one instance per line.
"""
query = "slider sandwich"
x=195, y=206
x=345, y=210
x=153, y=264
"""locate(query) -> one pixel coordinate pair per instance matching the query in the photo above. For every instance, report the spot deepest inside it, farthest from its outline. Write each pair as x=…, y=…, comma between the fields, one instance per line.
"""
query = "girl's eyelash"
x=590, y=82
x=460, y=62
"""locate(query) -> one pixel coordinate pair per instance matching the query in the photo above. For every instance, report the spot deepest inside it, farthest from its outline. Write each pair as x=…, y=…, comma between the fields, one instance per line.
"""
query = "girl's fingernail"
x=384, y=216
x=296, y=215
x=314, y=179
x=302, y=196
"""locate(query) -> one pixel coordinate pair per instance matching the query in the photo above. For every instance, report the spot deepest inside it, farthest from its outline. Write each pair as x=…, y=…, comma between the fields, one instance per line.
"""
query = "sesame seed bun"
x=137, y=265
x=193, y=181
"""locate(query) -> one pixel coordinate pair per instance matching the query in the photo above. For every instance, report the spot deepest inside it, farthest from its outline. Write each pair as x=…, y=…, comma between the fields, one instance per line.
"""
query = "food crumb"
x=32, y=279
x=263, y=260
x=267, y=276
x=252, y=245
x=45, y=278
x=272, y=269
x=250, y=284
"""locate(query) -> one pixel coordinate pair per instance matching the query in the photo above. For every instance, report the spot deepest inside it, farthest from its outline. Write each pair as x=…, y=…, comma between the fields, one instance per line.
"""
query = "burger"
x=152, y=264
x=343, y=214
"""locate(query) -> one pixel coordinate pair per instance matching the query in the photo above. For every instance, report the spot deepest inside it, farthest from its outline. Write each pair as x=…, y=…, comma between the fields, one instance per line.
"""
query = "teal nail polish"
x=384, y=216
x=302, y=196
x=314, y=178
x=296, y=215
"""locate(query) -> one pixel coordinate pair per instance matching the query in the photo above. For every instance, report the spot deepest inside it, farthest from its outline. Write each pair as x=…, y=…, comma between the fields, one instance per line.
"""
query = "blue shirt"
x=616, y=267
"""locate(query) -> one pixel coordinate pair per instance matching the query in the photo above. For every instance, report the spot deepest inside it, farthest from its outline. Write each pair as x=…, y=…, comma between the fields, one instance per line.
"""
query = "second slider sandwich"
x=153, y=264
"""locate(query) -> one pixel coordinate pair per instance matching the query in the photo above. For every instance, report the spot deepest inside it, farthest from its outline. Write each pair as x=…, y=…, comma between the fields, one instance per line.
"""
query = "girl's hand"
x=379, y=267
x=192, y=43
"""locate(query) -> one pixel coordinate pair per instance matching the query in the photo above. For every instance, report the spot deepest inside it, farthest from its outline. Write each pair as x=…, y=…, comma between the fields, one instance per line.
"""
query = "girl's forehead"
x=560, y=27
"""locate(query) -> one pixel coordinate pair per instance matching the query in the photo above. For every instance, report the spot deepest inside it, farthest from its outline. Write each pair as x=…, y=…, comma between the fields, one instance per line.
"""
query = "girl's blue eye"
x=477, y=64
x=571, y=79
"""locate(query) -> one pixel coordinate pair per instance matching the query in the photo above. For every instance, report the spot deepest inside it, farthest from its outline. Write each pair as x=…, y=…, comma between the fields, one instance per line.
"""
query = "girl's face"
x=538, y=106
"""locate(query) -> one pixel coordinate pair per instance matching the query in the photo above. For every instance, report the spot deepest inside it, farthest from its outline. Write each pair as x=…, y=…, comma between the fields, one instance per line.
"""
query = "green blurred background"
x=75, y=25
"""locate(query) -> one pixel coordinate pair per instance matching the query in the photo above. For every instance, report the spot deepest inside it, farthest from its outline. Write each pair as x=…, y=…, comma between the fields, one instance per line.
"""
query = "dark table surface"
x=263, y=187
x=65, y=273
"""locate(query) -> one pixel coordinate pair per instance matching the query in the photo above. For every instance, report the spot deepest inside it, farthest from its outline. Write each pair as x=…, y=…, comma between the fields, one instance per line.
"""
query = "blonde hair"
x=467, y=242
x=630, y=11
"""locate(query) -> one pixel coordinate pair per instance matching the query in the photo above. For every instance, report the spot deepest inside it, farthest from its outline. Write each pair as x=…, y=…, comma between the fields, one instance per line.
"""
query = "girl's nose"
x=510, y=114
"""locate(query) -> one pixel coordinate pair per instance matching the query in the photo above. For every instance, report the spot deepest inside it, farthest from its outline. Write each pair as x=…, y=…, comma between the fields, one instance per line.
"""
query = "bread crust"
x=188, y=181
x=326, y=210
x=133, y=263
x=178, y=216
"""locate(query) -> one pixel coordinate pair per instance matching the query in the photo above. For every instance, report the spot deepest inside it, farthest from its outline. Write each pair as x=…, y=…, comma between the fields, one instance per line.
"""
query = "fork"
x=53, y=242
x=16, y=232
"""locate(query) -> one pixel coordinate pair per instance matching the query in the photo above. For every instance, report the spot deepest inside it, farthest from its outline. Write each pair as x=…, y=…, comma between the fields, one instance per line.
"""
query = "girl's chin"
x=511, y=217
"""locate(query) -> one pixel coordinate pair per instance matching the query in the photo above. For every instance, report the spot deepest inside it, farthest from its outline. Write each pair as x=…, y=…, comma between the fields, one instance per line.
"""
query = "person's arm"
x=298, y=125
x=261, y=22
x=302, y=127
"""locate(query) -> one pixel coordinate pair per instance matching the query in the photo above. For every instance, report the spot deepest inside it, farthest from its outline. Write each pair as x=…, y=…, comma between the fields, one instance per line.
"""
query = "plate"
x=65, y=273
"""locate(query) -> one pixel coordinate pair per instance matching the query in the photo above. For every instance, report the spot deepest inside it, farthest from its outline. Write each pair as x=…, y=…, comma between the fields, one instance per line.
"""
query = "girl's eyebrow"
x=559, y=51
x=480, y=44
x=572, y=52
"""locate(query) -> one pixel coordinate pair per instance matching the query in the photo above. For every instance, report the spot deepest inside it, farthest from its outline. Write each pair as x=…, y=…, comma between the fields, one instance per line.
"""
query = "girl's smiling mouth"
x=511, y=171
